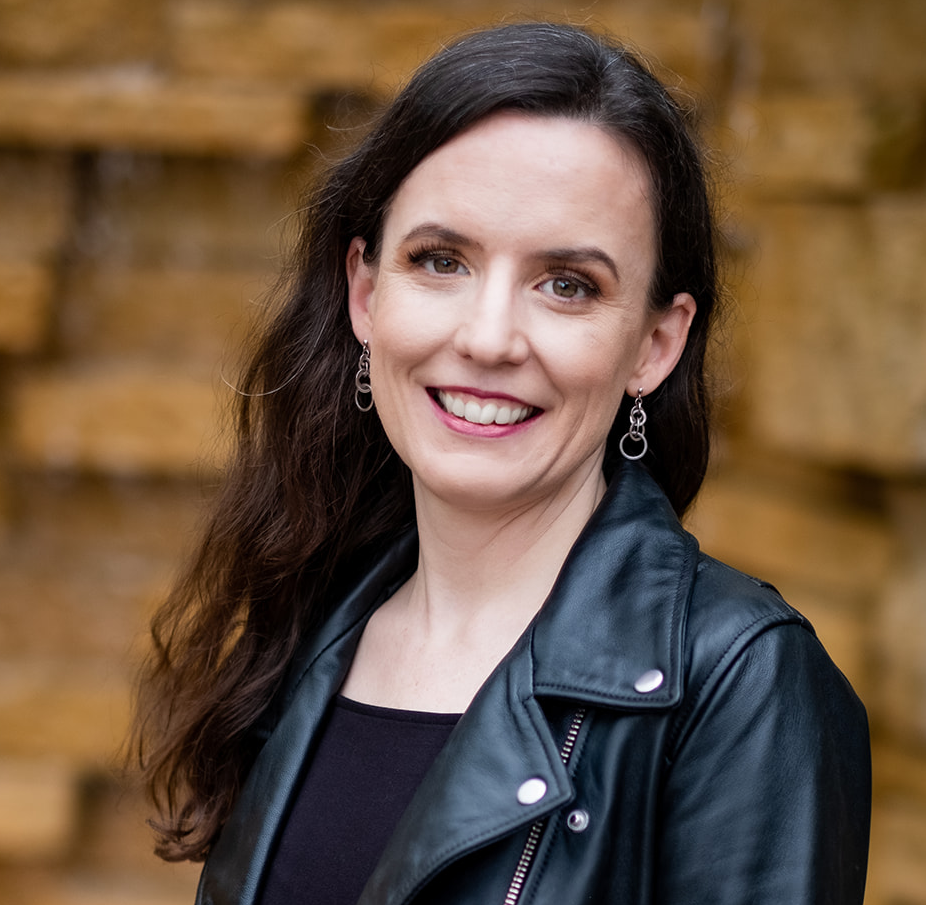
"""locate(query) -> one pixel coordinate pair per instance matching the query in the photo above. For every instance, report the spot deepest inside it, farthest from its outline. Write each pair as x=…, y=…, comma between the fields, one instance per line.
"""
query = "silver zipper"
x=533, y=837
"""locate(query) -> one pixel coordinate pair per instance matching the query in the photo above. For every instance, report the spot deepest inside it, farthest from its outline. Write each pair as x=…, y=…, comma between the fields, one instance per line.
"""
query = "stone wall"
x=149, y=156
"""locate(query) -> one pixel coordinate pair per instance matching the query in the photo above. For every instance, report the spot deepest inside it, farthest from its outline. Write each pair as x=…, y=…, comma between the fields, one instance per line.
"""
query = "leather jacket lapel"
x=470, y=795
x=617, y=611
x=236, y=863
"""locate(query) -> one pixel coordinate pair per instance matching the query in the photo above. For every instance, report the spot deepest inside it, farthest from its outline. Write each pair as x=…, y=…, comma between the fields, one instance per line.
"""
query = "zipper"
x=533, y=837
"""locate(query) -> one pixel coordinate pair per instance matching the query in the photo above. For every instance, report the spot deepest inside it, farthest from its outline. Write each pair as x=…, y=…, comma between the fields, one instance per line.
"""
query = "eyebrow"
x=443, y=233
x=580, y=255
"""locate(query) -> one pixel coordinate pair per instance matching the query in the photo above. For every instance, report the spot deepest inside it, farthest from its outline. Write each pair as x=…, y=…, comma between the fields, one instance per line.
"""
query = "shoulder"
x=728, y=608
x=749, y=650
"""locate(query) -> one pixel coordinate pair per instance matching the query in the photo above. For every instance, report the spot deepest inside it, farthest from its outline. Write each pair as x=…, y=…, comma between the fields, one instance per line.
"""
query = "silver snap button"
x=531, y=791
x=649, y=681
x=577, y=820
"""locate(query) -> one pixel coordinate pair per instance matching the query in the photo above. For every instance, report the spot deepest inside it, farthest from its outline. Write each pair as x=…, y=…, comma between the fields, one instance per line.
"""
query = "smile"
x=483, y=412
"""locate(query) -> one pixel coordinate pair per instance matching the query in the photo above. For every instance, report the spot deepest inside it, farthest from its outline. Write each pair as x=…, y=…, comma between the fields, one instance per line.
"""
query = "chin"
x=475, y=492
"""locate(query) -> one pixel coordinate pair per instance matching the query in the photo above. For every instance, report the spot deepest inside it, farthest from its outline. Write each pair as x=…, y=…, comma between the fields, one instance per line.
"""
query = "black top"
x=369, y=762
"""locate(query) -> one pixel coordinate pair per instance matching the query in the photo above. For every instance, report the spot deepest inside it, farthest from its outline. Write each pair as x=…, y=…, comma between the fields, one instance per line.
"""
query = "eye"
x=568, y=288
x=437, y=261
x=443, y=264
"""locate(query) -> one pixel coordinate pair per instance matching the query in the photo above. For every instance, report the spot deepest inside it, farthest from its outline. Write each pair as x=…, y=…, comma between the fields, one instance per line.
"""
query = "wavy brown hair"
x=314, y=485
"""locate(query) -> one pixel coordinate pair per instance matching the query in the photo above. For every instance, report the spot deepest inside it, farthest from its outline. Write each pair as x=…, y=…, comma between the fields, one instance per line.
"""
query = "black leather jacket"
x=721, y=757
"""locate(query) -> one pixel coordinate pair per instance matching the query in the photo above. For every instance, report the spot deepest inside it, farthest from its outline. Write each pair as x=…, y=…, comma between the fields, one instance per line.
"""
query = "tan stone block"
x=897, y=860
x=138, y=111
x=25, y=306
x=898, y=771
x=38, y=808
x=805, y=145
x=116, y=841
x=125, y=421
x=70, y=517
x=375, y=47
x=774, y=528
x=900, y=638
x=115, y=546
x=679, y=42
x=59, y=32
x=181, y=214
x=73, y=710
x=894, y=32
x=195, y=317
x=794, y=44
x=56, y=885
x=316, y=45
x=802, y=144
x=830, y=44
x=838, y=333
x=898, y=230
x=70, y=611
x=36, y=201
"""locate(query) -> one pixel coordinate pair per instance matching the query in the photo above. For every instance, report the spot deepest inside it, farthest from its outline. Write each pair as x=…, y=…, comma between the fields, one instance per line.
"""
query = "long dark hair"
x=314, y=485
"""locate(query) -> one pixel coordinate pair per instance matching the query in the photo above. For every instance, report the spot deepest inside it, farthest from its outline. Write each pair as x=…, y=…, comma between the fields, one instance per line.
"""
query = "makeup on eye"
x=437, y=261
x=560, y=283
x=568, y=286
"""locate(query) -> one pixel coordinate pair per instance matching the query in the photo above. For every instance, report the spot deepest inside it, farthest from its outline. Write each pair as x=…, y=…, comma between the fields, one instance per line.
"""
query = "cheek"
x=403, y=328
x=594, y=377
x=592, y=367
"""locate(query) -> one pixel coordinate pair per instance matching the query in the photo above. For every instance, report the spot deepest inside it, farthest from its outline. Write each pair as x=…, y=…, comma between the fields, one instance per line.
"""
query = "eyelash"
x=588, y=285
x=555, y=271
x=428, y=252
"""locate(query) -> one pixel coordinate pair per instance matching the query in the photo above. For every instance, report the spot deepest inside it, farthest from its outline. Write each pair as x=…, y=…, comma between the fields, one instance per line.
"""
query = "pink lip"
x=480, y=394
x=485, y=431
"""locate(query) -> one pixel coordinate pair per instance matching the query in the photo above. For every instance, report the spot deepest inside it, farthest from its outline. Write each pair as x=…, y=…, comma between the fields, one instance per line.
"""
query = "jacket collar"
x=615, y=616
x=615, y=613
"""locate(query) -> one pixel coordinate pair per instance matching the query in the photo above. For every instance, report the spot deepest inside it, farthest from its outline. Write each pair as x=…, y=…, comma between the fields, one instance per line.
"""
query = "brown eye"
x=443, y=264
x=567, y=288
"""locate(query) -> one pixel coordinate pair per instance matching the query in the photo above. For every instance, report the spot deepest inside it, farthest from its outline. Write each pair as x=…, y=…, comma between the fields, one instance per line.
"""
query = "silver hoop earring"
x=637, y=432
x=362, y=380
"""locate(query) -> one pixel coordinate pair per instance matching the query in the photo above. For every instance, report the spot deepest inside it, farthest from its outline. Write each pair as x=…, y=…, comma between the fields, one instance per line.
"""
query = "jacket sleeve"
x=768, y=786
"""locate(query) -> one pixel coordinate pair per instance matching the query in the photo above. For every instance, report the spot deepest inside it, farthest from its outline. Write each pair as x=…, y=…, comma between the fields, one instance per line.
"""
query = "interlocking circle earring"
x=362, y=380
x=637, y=431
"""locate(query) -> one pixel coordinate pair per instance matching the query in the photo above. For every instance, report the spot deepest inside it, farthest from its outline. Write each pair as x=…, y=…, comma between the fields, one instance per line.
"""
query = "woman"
x=444, y=639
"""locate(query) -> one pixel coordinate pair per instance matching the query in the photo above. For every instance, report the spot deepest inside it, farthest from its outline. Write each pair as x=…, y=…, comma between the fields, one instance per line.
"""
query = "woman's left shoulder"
x=751, y=657
x=726, y=597
x=734, y=617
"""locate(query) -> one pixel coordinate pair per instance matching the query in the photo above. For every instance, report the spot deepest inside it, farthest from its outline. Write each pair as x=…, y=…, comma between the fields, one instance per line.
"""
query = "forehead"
x=531, y=174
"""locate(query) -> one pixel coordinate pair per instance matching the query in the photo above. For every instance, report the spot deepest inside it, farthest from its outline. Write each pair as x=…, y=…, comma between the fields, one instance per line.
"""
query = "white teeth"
x=490, y=413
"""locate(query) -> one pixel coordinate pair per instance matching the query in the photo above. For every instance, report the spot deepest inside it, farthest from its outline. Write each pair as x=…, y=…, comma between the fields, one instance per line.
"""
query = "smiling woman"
x=475, y=304
x=443, y=641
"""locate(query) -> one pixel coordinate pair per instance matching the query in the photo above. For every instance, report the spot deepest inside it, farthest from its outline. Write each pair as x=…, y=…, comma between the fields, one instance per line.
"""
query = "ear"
x=361, y=281
x=663, y=345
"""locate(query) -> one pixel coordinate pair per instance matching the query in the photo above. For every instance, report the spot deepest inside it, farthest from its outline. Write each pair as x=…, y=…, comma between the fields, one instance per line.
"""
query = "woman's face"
x=507, y=312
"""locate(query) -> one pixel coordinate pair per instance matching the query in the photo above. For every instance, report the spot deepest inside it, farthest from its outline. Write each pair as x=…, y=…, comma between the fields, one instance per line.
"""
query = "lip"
x=479, y=394
x=468, y=428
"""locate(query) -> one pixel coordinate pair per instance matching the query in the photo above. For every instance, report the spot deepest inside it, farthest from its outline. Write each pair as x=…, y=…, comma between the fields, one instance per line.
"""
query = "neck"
x=494, y=568
x=482, y=576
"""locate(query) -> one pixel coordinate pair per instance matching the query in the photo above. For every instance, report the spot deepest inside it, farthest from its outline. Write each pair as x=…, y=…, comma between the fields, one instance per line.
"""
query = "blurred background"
x=150, y=156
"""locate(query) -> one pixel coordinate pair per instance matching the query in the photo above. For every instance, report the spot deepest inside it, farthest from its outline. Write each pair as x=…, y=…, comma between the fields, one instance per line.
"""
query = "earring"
x=362, y=380
x=637, y=432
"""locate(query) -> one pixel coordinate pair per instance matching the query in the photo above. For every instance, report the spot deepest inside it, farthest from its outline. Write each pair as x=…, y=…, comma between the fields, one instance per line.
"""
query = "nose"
x=491, y=330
